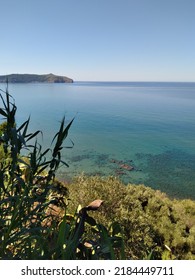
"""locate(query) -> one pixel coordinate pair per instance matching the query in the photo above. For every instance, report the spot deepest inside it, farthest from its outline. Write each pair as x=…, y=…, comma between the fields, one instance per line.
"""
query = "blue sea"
x=141, y=132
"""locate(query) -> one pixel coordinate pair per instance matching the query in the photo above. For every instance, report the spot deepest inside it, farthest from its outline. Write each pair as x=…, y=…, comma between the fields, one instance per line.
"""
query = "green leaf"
x=3, y=113
x=115, y=227
x=25, y=126
x=91, y=221
x=66, y=164
x=33, y=135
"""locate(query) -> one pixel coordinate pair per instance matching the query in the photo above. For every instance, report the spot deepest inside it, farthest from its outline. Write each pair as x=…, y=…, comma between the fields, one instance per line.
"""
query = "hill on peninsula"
x=34, y=78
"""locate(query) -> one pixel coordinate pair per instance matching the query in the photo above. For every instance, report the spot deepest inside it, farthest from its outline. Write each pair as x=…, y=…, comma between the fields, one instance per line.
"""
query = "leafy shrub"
x=152, y=224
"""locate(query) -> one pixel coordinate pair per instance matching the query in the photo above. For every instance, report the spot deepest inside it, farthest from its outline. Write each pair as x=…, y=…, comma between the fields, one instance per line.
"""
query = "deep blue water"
x=147, y=126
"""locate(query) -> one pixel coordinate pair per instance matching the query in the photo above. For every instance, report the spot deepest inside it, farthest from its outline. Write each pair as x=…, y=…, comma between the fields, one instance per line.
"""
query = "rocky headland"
x=34, y=78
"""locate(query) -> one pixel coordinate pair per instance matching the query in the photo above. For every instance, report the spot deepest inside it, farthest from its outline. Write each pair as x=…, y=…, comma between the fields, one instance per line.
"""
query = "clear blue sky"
x=99, y=40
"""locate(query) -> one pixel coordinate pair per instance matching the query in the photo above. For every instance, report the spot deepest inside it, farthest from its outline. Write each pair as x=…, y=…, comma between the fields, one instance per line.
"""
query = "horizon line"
x=130, y=81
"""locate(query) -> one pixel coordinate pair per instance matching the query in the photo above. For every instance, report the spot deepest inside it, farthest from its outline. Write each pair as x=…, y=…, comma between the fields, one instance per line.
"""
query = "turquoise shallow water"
x=141, y=132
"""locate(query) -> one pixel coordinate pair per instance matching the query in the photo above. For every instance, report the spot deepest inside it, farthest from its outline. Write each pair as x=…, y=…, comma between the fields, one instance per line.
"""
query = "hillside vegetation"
x=34, y=78
x=152, y=223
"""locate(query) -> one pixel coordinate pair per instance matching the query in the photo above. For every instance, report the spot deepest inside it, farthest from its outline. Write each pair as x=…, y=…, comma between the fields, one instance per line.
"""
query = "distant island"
x=34, y=78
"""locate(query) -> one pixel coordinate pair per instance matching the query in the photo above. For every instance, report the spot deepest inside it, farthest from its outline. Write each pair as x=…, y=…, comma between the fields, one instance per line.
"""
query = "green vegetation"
x=43, y=218
x=3, y=156
x=152, y=224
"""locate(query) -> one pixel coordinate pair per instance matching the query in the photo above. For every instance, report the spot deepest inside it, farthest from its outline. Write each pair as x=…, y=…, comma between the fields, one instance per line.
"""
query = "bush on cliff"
x=152, y=224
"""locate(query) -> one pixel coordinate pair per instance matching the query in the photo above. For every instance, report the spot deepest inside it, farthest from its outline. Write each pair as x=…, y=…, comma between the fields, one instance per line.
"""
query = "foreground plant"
x=26, y=194
x=81, y=237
